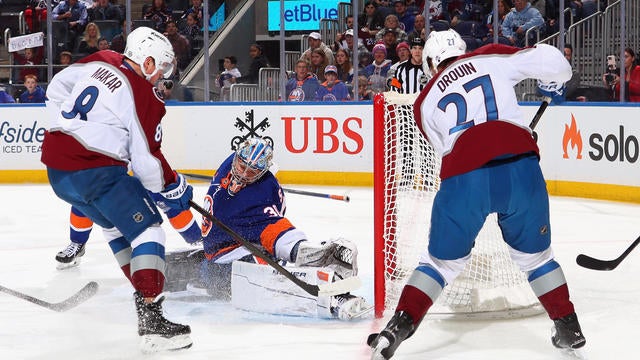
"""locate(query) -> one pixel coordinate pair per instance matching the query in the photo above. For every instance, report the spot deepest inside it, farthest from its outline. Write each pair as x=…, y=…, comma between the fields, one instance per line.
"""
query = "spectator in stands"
x=632, y=78
x=258, y=61
x=103, y=44
x=520, y=19
x=318, y=63
x=390, y=42
x=181, y=45
x=34, y=93
x=304, y=85
x=191, y=29
x=346, y=43
x=74, y=13
x=419, y=23
x=31, y=56
x=406, y=19
x=392, y=22
x=438, y=11
x=65, y=59
x=228, y=76
x=36, y=14
x=105, y=10
x=370, y=22
x=315, y=42
x=119, y=42
x=573, y=84
x=364, y=60
x=89, y=43
x=503, y=9
x=364, y=91
x=376, y=72
x=159, y=13
x=332, y=89
x=343, y=66
x=5, y=97
x=197, y=10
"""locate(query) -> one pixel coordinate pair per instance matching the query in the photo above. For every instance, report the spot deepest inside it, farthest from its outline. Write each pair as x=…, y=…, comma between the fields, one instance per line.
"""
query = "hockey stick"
x=538, y=115
x=334, y=288
x=605, y=265
x=344, y=198
x=76, y=299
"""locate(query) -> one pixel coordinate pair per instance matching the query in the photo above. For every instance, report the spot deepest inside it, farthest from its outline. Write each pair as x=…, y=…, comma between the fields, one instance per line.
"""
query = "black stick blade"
x=596, y=264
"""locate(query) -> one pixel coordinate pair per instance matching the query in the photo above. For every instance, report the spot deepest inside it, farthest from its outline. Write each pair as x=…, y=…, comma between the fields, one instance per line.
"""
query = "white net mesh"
x=491, y=286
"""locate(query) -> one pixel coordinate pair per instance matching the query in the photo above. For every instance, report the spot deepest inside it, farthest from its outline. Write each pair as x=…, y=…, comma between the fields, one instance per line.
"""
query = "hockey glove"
x=175, y=195
x=552, y=90
x=340, y=255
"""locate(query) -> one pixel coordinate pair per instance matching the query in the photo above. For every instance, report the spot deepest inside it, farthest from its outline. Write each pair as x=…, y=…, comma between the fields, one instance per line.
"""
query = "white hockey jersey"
x=102, y=113
x=469, y=111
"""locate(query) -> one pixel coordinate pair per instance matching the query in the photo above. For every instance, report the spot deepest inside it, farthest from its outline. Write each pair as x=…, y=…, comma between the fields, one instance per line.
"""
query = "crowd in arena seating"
x=386, y=30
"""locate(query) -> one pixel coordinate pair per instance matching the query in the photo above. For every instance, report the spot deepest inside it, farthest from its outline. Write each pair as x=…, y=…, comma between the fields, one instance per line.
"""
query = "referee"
x=409, y=77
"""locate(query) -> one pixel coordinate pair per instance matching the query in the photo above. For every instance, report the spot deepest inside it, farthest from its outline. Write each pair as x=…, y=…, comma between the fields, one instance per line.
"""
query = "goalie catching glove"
x=339, y=255
x=552, y=90
x=175, y=196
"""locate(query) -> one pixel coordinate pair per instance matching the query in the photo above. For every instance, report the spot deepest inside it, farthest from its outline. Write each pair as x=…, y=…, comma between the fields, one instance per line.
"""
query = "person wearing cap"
x=377, y=71
x=346, y=42
x=409, y=77
x=302, y=86
x=315, y=42
x=392, y=22
x=332, y=89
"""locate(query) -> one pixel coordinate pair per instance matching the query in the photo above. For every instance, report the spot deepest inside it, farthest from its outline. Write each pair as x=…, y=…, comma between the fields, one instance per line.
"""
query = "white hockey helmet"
x=440, y=46
x=144, y=42
x=252, y=160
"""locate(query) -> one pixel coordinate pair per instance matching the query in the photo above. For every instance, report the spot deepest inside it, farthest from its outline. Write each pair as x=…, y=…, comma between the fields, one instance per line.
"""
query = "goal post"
x=406, y=178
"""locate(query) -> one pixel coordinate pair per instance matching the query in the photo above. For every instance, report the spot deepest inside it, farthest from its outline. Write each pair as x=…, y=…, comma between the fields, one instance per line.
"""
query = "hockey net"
x=406, y=178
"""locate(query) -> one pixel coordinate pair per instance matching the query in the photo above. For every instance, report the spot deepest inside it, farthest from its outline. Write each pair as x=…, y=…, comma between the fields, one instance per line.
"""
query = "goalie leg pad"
x=182, y=268
x=260, y=288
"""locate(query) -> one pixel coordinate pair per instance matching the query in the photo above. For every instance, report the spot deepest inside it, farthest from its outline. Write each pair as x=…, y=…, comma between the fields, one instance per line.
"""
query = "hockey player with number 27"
x=469, y=113
x=105, y=114
x=246, y=196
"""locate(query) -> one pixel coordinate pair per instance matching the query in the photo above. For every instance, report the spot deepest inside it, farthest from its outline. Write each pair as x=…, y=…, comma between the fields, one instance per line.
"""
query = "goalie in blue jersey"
x=246, y=196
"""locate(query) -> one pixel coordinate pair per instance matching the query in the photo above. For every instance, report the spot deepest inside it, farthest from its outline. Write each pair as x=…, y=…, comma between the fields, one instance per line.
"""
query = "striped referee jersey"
x=409, y=78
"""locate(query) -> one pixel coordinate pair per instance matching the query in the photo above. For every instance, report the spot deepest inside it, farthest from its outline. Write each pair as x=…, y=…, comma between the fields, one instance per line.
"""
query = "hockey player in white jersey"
x=469, y=113
x=247, y=197
x=105, y=115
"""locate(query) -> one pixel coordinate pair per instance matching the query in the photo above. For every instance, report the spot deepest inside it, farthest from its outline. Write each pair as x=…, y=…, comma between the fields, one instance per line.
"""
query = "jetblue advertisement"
x=301, y=15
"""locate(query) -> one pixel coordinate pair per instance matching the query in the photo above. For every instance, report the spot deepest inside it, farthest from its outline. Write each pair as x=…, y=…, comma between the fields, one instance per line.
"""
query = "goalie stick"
x=331, y=289
x=74, y=300
x=344, y=198
x=605, y=265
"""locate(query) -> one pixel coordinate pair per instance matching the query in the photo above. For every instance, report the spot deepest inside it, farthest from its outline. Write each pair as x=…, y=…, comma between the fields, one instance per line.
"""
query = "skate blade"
x=574, y=354
x=63, y=266
x=154, y=343
x=382, y=344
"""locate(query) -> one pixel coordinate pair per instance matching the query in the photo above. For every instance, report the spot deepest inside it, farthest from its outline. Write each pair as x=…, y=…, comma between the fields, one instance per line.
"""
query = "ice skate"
x=158, y=333
x=568, y=336
x=350, y=307
x=70, y=256
x=384, y=344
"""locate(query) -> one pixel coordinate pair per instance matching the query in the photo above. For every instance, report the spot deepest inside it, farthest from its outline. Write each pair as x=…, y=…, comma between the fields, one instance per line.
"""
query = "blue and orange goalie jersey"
x=257, y=213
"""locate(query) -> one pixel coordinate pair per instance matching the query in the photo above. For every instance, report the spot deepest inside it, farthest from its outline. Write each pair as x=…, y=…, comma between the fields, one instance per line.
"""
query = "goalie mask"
x=440, y=46
x=145, y=42
x=251, y=161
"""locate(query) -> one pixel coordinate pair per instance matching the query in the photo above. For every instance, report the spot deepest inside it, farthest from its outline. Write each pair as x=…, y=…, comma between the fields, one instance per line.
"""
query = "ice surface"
x=34, y=227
